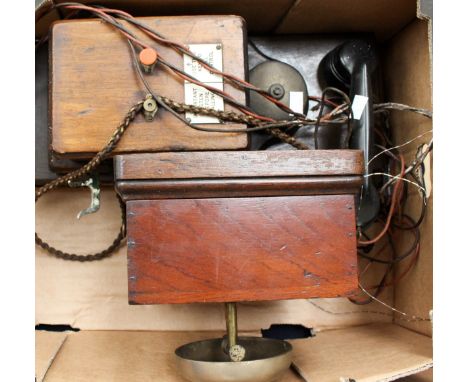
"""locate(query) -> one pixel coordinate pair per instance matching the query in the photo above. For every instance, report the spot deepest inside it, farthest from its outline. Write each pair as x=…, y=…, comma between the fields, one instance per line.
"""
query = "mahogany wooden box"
x=93, y=83
x=240, y=226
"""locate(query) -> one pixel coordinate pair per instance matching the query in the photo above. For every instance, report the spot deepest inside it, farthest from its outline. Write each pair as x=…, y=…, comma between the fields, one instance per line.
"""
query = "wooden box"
x=93, y=83
x=240, y=226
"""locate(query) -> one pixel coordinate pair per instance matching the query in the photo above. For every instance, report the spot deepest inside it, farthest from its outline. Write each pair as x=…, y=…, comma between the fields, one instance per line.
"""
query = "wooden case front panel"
x=241, y=249
x=238, y=164
x=94, y=83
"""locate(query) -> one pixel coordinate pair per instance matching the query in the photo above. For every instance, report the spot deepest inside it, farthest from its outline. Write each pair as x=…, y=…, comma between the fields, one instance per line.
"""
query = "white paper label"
x=296, y=102
x=359, y=103
x=197, y=95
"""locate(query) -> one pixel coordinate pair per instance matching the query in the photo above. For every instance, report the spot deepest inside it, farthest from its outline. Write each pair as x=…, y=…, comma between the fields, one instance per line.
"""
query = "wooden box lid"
x=93, y=84
x=240, y=226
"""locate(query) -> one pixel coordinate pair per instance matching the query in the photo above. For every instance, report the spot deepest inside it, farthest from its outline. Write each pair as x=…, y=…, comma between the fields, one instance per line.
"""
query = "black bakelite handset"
x=349, y=67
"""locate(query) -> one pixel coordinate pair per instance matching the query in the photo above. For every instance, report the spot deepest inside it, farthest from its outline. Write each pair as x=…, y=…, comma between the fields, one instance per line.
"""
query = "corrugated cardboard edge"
x=404, y=374
x=423, y=376
x=424, y=9
x=48, y=345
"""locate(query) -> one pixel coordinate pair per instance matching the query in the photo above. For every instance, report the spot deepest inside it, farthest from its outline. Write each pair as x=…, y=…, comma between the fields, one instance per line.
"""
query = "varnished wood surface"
x=93, y=84
x=237, y=187
x=241, y=249
x=190, y=165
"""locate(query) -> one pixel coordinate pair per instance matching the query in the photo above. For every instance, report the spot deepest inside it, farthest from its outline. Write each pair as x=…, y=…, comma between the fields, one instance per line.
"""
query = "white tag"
x=197, y=95
x=211, y=53
x=296, y=102
x=359, y=103
x=427, y=173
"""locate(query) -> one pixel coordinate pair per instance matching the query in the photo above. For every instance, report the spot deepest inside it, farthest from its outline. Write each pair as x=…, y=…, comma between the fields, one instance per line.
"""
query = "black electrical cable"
x=417, y=223
x=379, y=289
x=405, y=196
x=260, y=52
x=398, y=258
x=159, y=100
x=182, y=49
x=213, y=90
x=322, y=106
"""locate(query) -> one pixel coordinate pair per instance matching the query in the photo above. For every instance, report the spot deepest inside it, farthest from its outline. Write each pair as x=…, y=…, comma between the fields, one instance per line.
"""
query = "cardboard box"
x=119, y=342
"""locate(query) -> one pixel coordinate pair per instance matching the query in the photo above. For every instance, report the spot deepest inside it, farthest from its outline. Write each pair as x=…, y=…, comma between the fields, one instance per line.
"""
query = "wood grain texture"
x=190, y=165
x=237, y=187
x=43, y=172
x=241, y=249
x=93, y=84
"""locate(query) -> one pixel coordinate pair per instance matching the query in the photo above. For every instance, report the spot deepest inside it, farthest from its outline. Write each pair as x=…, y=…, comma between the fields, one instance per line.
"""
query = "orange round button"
x=148, y=56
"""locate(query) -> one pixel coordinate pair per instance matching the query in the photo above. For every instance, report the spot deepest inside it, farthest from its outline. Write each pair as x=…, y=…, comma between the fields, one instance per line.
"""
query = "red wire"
x=106, y=16
x=214, y=70
x=395, y=195
x=102, y=11
x=401, y=275
x=215, y=90
x=327, y=101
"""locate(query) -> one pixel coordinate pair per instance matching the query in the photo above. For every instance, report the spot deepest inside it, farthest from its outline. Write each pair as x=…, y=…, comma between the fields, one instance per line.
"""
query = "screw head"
x=149, y=104
x=276, y=91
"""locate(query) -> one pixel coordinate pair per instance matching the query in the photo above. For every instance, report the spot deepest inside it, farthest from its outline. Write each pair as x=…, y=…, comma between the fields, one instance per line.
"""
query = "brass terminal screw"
x=150, y=108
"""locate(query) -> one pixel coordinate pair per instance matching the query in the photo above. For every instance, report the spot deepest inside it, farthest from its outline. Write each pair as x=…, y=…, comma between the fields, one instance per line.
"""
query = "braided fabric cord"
x=233, y=117
x=78, y=174
x=227, y=116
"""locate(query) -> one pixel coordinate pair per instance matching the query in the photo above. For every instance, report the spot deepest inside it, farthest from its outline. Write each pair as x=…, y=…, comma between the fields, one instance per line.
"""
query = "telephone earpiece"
x=349, y=67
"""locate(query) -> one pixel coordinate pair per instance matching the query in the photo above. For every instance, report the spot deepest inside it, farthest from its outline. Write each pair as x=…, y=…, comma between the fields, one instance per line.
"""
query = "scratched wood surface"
x=93, y=84
x=240, y=187
x=237, y=174
x=252, y=164
x=241, y=249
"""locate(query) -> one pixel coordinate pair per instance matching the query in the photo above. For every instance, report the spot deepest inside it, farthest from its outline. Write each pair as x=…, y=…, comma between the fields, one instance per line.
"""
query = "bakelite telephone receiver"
x=350, y=67
x=211, y=216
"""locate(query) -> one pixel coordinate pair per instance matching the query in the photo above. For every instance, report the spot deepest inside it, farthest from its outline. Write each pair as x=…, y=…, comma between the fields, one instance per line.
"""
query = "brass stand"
x=233, y=358
x=236, y=352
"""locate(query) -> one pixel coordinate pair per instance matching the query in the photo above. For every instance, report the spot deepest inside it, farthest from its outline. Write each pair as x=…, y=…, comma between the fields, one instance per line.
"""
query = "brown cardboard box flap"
x=48, y=344
x=117, y=356
x=377, y=352
x=384, y=17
